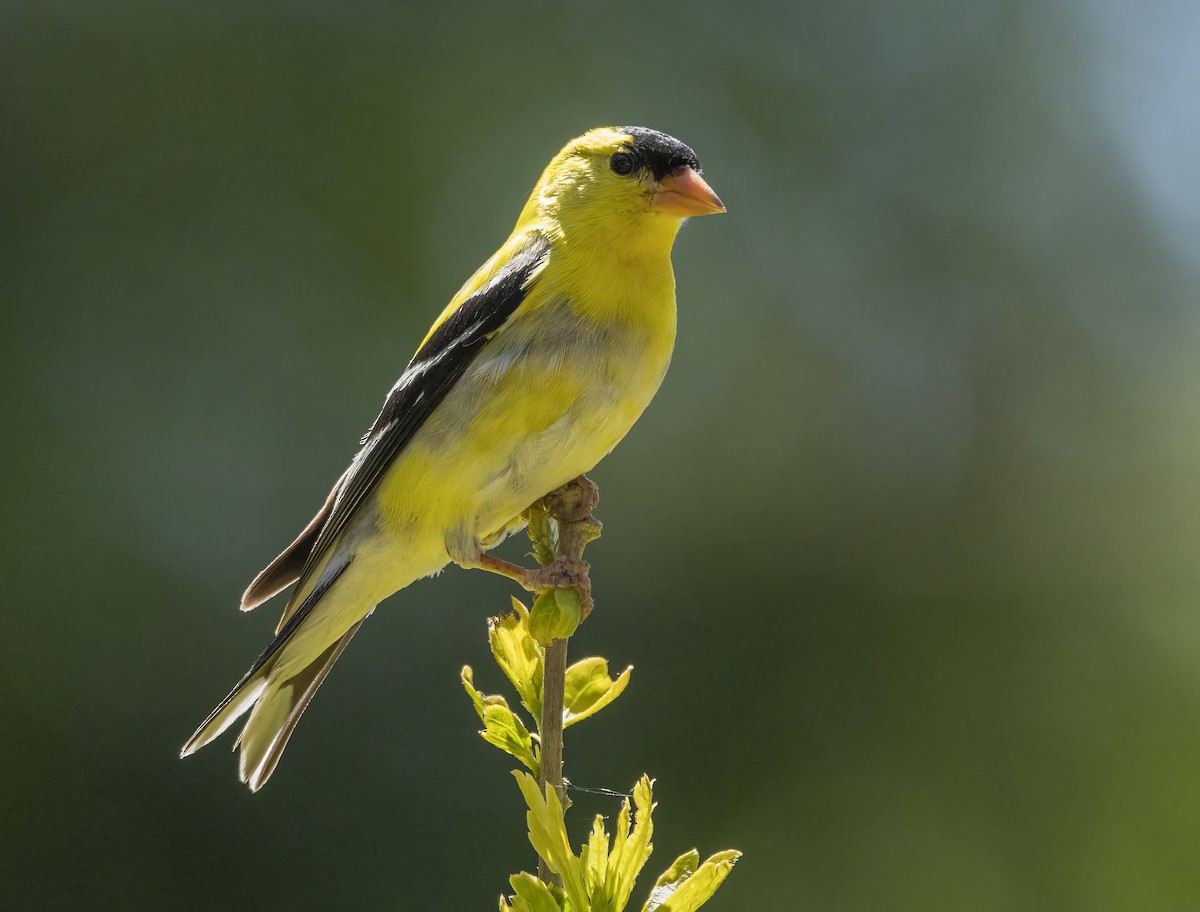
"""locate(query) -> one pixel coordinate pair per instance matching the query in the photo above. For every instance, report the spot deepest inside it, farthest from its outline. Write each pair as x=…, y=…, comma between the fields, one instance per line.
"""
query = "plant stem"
x=571, y=508
x=550, y=730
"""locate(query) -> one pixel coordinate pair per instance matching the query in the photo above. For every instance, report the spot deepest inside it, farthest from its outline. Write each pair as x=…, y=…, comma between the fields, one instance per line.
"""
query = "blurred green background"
x=905, y=552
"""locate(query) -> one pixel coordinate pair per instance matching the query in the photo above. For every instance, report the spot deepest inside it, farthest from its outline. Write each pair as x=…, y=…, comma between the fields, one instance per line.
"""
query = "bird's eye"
x=622, y=163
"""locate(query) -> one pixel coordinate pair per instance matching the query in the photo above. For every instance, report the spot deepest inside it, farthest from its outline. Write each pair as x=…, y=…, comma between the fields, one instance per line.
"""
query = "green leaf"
x=631, y=847
x=554, y=615
x=533, y=895
x=683, y=867
x=681, y=890
x=543, y=532
x=548, y=836
x=504, y=730
x=596, y=868
x=588, y=689
x=478, y=700
x=501, y=726
x=467, y=676
x=519, y=656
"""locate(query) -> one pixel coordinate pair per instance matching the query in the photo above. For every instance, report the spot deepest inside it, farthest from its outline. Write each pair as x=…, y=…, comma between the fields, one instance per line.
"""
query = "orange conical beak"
x=685, y=193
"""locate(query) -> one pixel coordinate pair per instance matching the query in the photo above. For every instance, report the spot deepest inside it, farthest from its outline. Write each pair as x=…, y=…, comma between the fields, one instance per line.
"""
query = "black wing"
x=426, y=381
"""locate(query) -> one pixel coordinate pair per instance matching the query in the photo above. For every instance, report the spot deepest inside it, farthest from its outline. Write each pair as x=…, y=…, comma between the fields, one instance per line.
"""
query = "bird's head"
x=623, y=177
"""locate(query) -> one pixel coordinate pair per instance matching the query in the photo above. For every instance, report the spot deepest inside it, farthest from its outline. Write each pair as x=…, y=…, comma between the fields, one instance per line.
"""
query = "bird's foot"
x=574, y=501
x=570, y=507
x=562, y=573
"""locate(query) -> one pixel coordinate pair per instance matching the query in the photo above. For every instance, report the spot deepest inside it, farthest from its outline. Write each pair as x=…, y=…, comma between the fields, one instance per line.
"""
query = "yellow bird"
x=536, y=369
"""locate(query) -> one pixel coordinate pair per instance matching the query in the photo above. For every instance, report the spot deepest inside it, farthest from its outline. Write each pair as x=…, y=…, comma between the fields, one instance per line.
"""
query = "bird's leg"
x=500, y=566
x=571, y=507
x=563, y=572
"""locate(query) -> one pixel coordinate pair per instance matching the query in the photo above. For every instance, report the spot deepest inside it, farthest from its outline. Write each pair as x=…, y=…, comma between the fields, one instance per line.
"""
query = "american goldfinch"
x=535, y=370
